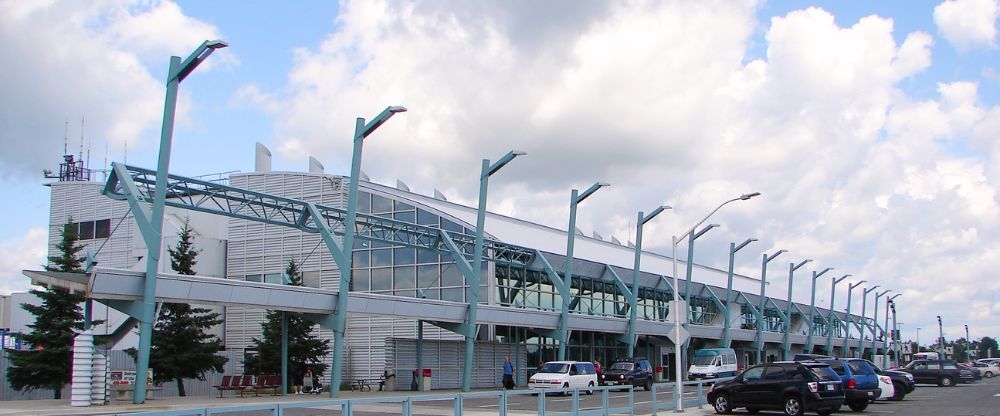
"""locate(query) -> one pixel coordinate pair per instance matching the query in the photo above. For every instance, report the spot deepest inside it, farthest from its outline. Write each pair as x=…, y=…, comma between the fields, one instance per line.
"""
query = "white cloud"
x=85, y=59
x=968, y=23
x=24, y=252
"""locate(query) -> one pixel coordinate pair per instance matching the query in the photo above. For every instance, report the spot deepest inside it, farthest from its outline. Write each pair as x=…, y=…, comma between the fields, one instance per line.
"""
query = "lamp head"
x=745, y=197
x=216, y=44
x=397, y=109
x=780, y=251
x=602, y=184
x=513, y=152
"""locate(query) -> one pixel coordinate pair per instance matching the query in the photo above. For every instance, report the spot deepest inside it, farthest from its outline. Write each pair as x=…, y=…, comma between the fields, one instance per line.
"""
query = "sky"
x=869, y=128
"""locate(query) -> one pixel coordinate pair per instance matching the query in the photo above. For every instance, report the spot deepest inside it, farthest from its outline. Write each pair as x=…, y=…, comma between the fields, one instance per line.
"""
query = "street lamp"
x=153, y=230
x=634, y=290
x=477, y=260
x=833, y=295
x=875, y=323
x=680, y=309
x=967, y=354
x=864, y=306
x=787, y=350
x=763, y=288
x=847, y=333
x=575, y=199
x=361, y=131
x=733, y=248
x=812, y=309
x=940, y=338
x=895, y=329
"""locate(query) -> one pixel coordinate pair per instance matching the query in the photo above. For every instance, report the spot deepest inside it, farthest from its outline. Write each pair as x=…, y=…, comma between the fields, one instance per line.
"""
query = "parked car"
x=810, y=357
x=902, y=382
x=944, y=373
x=794, y=387
x=994, y=361
x=711, y=363
x=634, y=371
x=976, y=374
x=989, y=370
x=860, y=381
x=886, y=387
x=564, y=374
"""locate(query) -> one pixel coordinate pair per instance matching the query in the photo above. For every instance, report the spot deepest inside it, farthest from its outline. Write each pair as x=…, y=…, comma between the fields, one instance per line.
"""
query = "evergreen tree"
x=48, y=364
x=181, y=348
x=304, y=349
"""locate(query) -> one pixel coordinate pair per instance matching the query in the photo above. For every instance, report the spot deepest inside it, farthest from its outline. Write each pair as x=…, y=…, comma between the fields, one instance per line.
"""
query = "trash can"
x=658, y=375
x=426, y=386
x=390, y=379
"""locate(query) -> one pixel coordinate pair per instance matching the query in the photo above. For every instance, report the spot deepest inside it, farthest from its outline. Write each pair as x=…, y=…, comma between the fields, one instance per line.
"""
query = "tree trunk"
x=180, y=387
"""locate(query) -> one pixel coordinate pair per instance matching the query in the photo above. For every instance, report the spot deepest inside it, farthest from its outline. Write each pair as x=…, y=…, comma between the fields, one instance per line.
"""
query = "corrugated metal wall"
x=120, y=360
x=446, y=361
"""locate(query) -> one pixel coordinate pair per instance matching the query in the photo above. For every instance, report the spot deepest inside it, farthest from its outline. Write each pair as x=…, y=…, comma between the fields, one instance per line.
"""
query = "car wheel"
x=722, y=404
x=566, y=386
x=648, y=385
x=989, y=374
x=858, y=406
x=946, y=381
x=793, y=406
x=590, y=391
x=899, y=391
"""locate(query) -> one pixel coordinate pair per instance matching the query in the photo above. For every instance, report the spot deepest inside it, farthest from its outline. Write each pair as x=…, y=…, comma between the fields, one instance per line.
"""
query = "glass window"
x=86, y=230
x=381, y=279
x=361, y=259
x=426, y=218
x=360, y=281
x=407, y=216
x=860, y=367
x=427, y=256
x=410, y=293
x=774, y=373
x=451, y=276
x=254, y=278
x=403, y=255
x=311, y=279
x=273, y=278
x=402, y=206
x=432, y=294
x=427, y=276
x=452, y=294
x=381, y=257
x=753, y=374
x=102, y=229
x=450, y=226
x=364, y=202
x=381, y=204
x=403, y=277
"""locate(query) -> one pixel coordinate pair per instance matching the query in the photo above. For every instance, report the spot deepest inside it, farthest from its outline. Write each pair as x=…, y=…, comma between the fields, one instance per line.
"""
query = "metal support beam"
x=812, y=309
x=733, y=248
x=786, y=342
x=759, y=336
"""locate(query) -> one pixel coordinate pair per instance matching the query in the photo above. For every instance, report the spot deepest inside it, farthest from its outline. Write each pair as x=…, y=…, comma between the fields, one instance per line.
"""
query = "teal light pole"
x=361, y=131
x=940, y=338
x=875, y=324
x=733, y=248
x=861, y=330
x=847, y=333
x=153, y=229
x=764, y=260
x=812, y=310
x=575, y=199
x=787, y=347
x=678, y=370
x=689, y=267
x=477, y=262
x=895, y=331
x=833, y=295
x=634, y=295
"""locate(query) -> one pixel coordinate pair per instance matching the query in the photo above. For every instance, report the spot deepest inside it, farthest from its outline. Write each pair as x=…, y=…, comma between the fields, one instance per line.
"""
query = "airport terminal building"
x=246, y=250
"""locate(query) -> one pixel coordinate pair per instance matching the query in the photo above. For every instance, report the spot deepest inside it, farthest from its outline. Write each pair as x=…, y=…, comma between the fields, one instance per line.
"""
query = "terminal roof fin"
x=402, y=186
x=439, y=195
x=598, y=236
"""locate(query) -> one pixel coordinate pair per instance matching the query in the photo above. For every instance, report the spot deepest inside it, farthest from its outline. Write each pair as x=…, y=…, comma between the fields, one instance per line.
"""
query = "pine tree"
x=304, y=349
x=48, y=365
x=181, y=348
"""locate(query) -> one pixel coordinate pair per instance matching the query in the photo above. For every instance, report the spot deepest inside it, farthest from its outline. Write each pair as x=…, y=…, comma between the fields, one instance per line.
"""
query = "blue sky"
x=872, y=147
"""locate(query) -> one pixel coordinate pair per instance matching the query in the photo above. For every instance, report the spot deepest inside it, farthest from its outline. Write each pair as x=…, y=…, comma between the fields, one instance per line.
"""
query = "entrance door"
x=668, y=367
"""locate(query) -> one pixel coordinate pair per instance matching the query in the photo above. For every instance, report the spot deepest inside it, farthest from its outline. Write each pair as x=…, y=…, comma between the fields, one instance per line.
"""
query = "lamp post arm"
x=691, y=230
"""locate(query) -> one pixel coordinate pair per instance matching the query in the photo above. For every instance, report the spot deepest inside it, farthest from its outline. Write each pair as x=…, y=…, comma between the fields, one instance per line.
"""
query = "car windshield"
x=622, y=366
x=824, y=373
x=558, y=368
x=703, y=360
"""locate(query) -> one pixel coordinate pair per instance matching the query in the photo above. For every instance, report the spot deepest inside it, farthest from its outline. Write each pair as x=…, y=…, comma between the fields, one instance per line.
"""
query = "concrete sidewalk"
x=62, y=407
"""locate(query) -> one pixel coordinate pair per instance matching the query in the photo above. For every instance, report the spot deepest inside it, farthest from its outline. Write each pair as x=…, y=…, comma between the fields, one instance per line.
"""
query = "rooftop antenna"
x=90, y=143
x=125, y=156
x=66, y=137
x=80, y=155
x=105, y=160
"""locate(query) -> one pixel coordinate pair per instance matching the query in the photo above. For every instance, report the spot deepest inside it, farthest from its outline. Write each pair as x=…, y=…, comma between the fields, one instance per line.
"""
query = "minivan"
x=564, y=374
x=713, y=363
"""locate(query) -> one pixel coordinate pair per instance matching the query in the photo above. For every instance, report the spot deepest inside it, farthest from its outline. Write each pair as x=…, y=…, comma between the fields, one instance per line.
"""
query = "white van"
x=564, y=374
x=713, y=363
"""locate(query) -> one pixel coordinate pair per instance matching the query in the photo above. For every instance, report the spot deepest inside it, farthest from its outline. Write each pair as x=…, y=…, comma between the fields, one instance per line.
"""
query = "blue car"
x=859, y=379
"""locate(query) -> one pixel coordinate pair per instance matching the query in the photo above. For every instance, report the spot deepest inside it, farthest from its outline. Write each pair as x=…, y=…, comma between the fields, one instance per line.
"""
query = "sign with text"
x=127, y=377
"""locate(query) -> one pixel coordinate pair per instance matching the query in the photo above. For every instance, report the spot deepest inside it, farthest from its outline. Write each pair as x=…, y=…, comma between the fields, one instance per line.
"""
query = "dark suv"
x=634, y=371
x=859, y=379
x=795, y=387
x=944, y=373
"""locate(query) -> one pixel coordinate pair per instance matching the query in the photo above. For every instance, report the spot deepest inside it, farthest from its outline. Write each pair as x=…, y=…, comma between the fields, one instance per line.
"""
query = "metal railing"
x=406, y=403
x=699, y=400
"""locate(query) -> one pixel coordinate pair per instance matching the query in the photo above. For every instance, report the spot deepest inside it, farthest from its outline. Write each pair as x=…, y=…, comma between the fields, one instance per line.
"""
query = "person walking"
x=508, y=374
x=307, y=382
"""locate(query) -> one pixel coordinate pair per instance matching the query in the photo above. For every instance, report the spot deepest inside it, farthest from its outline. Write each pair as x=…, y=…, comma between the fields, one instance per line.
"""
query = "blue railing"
x=406, y=403
x=699, y=400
